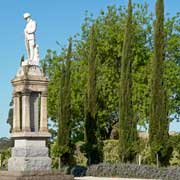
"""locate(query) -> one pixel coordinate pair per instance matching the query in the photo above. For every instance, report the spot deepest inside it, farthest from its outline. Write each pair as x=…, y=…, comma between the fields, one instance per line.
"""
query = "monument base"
x=38, y=175
x=29, y=153
x=29, y=164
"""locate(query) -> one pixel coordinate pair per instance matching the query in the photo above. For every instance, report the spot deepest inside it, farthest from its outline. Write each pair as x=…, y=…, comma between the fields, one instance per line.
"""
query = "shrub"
x=133, y=171
x=4, y=156
x=79, y=155
x=146, y=156
x=110, y=151
x=175, y=159
x=54, y=154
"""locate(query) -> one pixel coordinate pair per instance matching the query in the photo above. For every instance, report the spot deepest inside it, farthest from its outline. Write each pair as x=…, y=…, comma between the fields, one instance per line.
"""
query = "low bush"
x=133, y=171
x=110, y=151
x=4, y=156
x=79, y=154
x=175, y=159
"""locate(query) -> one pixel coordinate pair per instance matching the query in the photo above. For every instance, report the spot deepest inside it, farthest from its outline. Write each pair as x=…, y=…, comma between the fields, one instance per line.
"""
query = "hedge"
x=133, y=171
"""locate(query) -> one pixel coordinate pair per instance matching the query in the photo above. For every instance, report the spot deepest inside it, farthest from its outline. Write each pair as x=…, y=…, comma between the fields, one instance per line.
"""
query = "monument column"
x=16, y=112
x=43, y=113
x=26, y=111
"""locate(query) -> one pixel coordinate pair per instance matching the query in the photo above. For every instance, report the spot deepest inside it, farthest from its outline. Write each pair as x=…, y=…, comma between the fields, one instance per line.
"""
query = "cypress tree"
x=127, y=125
x=91, y=141
x=158, y=127
x=64, y=126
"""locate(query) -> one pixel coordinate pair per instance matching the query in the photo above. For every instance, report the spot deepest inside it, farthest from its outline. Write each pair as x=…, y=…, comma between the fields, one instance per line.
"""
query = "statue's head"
x=27, y=16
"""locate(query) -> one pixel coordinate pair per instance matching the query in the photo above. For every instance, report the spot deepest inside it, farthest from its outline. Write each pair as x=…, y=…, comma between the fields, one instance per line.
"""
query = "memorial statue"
x=30, y=41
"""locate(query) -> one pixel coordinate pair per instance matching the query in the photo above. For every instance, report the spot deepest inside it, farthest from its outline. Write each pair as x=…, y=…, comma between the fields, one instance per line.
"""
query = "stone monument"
x=30, y=155
x=30, y=130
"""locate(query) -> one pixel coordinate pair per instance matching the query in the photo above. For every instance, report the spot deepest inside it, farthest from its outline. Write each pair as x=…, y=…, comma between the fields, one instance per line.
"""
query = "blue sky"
x=57, y=20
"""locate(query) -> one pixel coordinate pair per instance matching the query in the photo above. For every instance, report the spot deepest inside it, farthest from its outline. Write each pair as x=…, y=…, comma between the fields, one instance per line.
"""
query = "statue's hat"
x=26, y=15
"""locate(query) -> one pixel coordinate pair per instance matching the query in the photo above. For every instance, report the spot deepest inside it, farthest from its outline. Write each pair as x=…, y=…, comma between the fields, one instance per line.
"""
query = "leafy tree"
x=172, y=66
x=110, y=29
x=127, y=124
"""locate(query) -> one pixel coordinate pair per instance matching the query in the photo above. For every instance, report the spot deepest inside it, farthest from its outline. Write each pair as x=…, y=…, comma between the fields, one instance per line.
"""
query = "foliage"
x=4, y=156
x=127, y=123
x=55, y=154
x=91, y=129
x=133, y=171
x=159, y=125
x=110, y=30
x=175, y=160
x=110, y=33
x=110, y=151
x=64, y=113
x=5, y=143
x=175, y=143
x=79, y=154
x=111, y=155
x=172, y=65
x=146, y=156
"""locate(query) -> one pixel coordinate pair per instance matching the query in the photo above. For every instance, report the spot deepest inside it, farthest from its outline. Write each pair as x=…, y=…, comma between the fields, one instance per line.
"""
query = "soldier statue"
x=30, y=40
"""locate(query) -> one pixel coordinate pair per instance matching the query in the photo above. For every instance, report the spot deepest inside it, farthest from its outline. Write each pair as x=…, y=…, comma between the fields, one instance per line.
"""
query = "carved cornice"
x=26, y=92
x=16, y=94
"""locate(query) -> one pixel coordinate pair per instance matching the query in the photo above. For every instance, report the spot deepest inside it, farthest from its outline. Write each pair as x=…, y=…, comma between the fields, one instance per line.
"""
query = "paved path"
x=104, y=178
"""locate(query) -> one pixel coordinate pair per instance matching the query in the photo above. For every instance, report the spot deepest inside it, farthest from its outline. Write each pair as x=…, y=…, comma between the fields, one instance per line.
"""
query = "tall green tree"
x=127, y=124
x=64, y=115
x=91, y=139
x=158, y=126
x=110, y=27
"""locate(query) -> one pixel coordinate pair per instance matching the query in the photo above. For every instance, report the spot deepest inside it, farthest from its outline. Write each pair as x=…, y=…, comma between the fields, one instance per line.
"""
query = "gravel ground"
x=104, y=178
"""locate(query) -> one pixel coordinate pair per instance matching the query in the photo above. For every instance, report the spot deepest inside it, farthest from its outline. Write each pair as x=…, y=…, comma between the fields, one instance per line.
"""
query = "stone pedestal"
x=30, y=129
x=40, y=175
x=29, y=152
